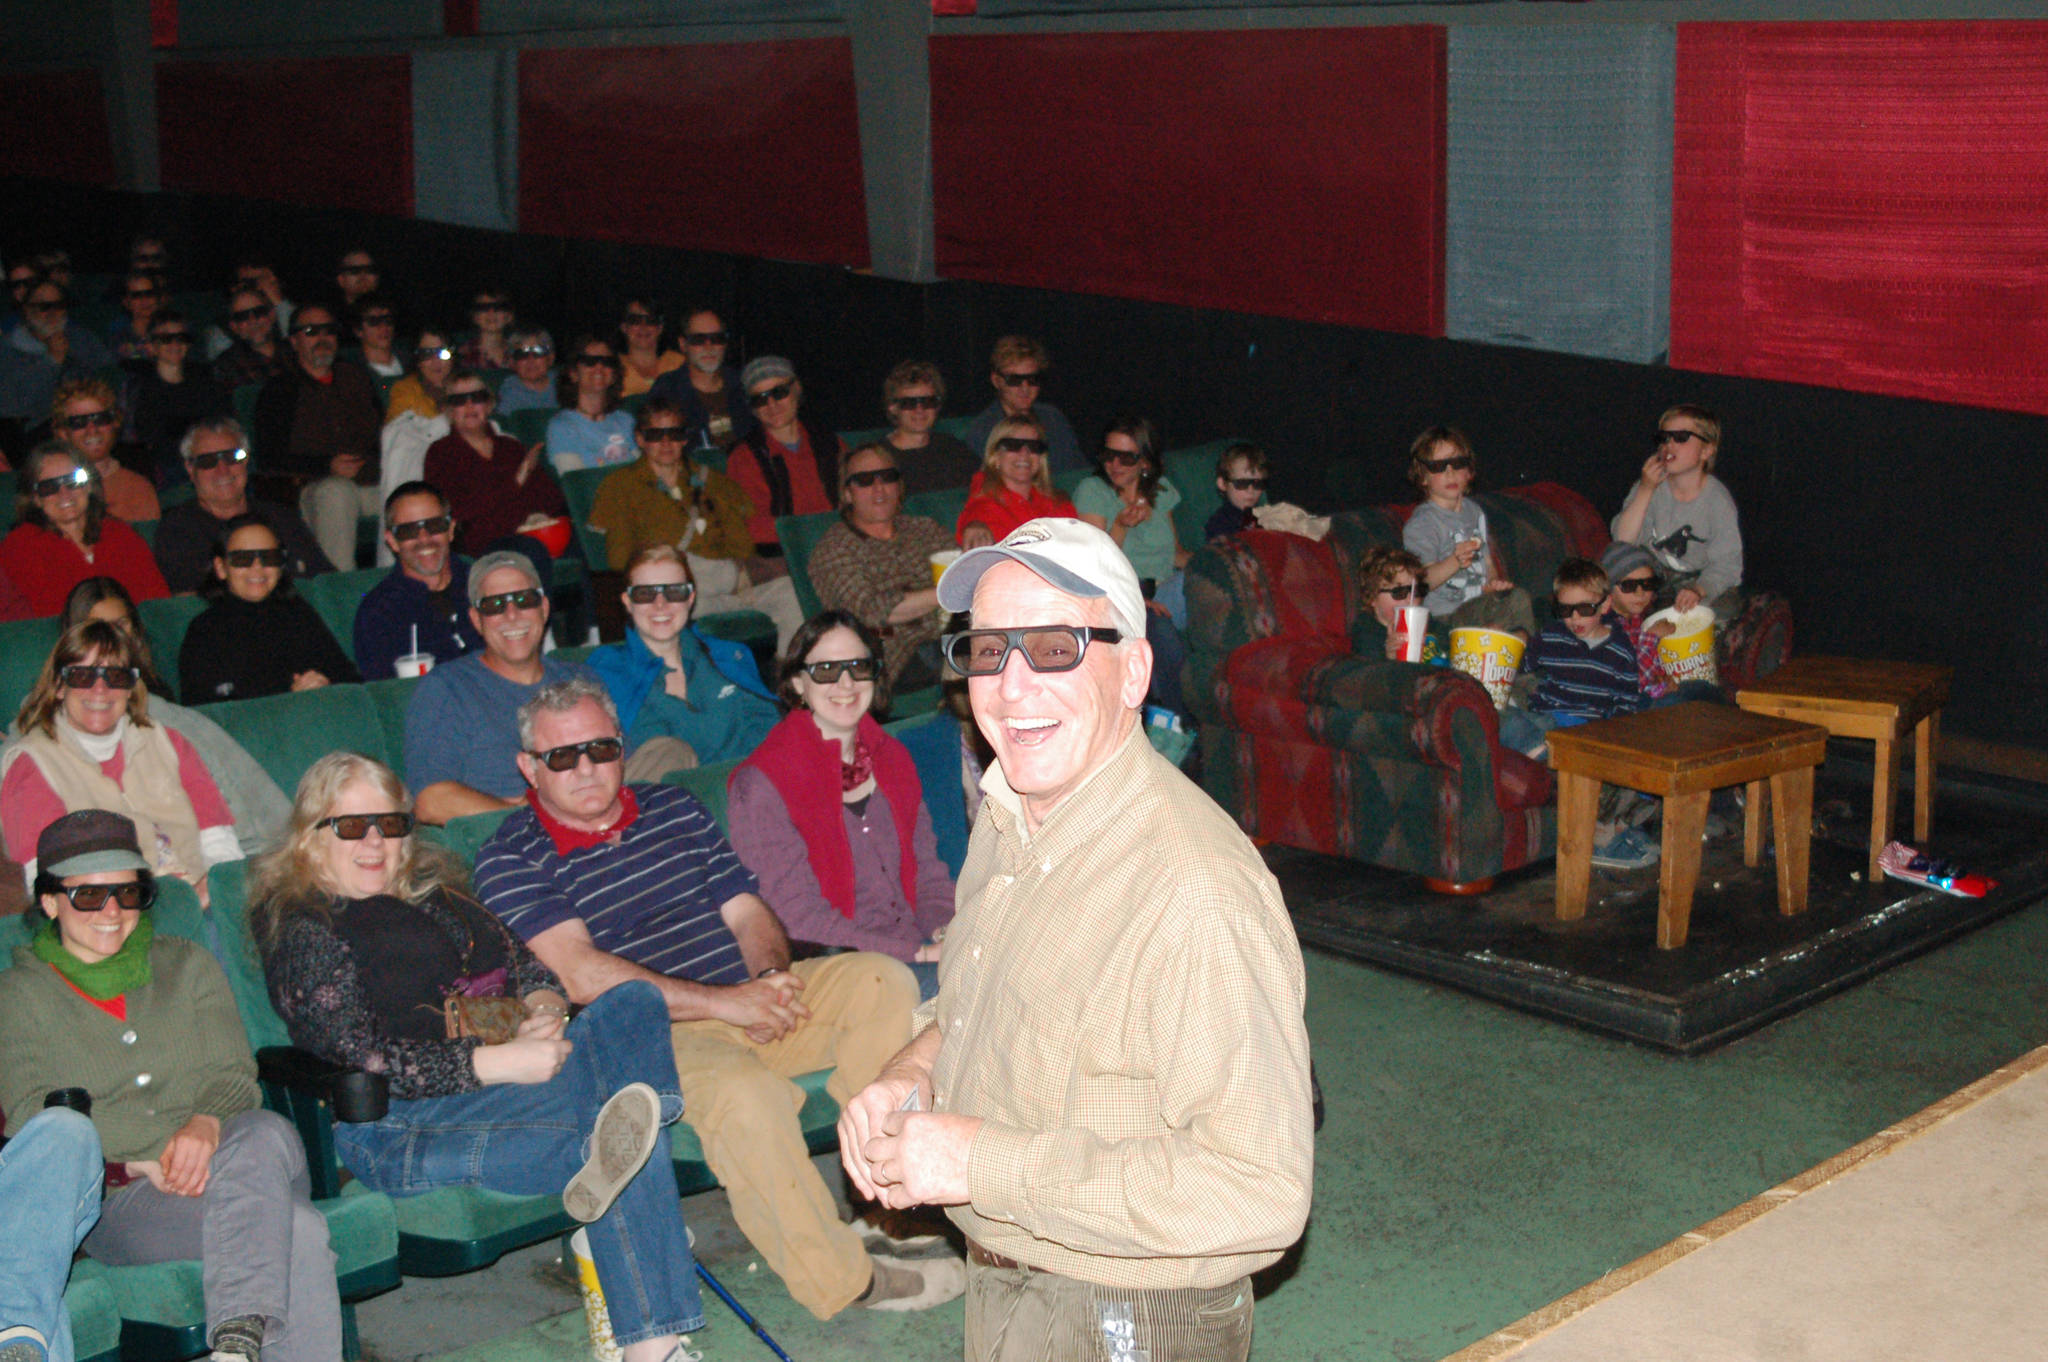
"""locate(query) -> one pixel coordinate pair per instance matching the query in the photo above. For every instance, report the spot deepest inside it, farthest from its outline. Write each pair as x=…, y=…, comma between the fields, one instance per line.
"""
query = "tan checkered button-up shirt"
x=1122, y=1006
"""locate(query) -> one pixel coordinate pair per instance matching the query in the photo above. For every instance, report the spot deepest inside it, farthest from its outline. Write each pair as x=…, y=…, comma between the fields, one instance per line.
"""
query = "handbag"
x=477, y=1004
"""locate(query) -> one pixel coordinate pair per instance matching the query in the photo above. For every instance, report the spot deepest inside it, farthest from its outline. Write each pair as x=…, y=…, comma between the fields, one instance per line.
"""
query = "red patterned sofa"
x=1396, y=765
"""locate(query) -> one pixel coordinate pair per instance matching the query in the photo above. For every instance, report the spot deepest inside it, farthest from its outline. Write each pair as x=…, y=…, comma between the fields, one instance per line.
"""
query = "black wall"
x=1899, y=528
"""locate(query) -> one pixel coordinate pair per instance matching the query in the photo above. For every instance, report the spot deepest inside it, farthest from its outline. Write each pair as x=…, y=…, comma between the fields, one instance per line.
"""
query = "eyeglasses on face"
x=214, y=458
x=533, y=352
x=1456, y=463
x=317, y=329
x=704, y=337
x=427, y=352
x=639, y=319
x=1407, y=591
x=596, y=362
x=379, y=319
x=1576, y=609
x=1634, y=585
x=1679, y=437
x=490, y=305
x=63, y=482
x=564, y=758
x=1016, y=444
x=767, y=395
x=1033, y=379
x=356, y=271
x=1046, y=648
x=467, y=397
x=129, y=895
x=354, y=827
x=413, y=529
x=664, y=435
x=1121, y=456
x=1247, y=484
x=872, y=476
x=248, y=314
x=144, y=293
x=248, y=558
x=826, y=673
x=86, y=420
x=675, y=593
x=528, y=599
x=43, y=309
x=170, y=337
x=82, y=676
x=924, y=402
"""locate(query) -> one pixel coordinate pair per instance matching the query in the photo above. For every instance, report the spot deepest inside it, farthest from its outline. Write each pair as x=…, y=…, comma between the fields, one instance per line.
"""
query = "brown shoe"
x=901, y=1285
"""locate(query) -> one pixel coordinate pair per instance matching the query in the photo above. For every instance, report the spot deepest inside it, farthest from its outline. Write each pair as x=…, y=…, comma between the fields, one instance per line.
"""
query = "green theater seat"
x=25, y=645
x=165, y=621
x=288, y=733
x=336, y=596
x=1192, y=471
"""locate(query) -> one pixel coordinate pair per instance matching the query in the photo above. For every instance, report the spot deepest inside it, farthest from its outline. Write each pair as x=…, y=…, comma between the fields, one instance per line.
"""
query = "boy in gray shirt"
x=1684, y=515
x=1448, y=533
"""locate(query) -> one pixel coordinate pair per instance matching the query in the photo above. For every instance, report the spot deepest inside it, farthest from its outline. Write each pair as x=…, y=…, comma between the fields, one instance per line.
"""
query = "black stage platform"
x=1743, y=965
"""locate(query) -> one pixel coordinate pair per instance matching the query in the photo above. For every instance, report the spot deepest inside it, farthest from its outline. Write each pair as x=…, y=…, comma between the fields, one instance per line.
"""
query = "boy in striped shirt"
x=1585, y=668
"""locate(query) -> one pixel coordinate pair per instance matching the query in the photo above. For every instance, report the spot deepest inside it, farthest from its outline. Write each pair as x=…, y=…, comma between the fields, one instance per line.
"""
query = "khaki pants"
x=1016, y=1315
x=738, y=1098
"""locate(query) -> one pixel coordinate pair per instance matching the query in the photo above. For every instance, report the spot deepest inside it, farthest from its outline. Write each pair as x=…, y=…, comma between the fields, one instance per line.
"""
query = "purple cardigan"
x=769, y=845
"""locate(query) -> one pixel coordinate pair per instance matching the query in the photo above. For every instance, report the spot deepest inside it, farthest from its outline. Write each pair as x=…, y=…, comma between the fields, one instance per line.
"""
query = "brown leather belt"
x=982, y=1257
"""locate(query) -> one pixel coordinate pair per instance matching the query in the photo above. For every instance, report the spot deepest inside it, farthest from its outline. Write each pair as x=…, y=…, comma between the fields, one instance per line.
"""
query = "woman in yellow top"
x=642, y=338
x=421, y=391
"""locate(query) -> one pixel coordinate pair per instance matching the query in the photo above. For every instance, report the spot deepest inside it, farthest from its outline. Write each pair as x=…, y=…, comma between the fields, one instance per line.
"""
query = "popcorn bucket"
x=603, y=1348
x=1490, y=657
x=940, y=561
x=1687, y=653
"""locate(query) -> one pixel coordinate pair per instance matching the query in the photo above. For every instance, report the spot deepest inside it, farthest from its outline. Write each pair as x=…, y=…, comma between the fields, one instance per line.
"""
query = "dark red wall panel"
x=328, y=131
x=1864, y=206
x=53, y=124
x=1295, y=173
x=752, y=148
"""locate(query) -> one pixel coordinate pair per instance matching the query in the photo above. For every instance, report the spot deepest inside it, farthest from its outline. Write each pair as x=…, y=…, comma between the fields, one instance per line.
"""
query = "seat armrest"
x=354, y=1094
x=312, y=1093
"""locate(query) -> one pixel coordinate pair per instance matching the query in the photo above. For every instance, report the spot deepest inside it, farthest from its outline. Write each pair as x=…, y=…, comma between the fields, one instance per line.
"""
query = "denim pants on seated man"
x=529, y=1139
x=261, y=1245
x=50, y=1177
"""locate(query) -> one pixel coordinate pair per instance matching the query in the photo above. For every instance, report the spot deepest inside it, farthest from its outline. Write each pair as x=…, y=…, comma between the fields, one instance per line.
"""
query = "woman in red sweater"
x=495, y=486
x=65, y=535
x=1013, y=486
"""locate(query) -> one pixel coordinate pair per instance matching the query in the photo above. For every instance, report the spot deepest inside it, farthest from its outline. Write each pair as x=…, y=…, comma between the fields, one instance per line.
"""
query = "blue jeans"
x=926, y=972
x=49, y=1198
x=529, y=1139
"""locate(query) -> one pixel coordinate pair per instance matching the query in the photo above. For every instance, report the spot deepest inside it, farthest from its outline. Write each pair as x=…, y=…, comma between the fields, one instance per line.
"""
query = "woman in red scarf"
x=828, y=813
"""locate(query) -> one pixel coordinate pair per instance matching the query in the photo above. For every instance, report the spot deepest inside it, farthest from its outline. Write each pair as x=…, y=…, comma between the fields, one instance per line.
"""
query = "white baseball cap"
x=1071, y=554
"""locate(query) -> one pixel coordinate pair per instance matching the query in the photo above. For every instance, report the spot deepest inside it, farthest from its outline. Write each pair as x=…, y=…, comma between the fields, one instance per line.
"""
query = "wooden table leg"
x=1578, y=800
x=1924, y=736
x=1884, y=796
x=1793, y=806
x=1753, y=822
x=1678, y=872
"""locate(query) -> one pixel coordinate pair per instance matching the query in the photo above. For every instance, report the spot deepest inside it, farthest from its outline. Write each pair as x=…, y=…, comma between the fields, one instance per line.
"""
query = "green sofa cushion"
x=25, y=645
x=165, y=620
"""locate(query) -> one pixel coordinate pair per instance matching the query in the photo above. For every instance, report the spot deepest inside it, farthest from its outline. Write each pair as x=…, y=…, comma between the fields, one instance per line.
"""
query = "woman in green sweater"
x=146, y=1025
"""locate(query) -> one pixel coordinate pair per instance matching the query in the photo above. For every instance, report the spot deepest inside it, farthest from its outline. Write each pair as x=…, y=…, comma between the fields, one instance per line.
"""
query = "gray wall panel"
x=1558, y=188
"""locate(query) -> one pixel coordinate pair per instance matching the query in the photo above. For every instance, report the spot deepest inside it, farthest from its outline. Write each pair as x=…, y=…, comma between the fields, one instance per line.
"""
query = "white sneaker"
x=625, y=1133
x=20, y=1343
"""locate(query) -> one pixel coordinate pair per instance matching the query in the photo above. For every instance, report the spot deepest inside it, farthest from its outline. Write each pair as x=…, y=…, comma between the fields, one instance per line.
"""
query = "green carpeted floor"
x=1478, y=1163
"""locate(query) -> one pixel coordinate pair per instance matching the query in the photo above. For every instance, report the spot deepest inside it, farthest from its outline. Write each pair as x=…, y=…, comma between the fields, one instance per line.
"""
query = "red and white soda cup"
x=1411, y=629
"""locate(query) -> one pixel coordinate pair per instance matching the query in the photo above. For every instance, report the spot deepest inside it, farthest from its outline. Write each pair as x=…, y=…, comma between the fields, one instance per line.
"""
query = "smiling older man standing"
x=1111, y=1091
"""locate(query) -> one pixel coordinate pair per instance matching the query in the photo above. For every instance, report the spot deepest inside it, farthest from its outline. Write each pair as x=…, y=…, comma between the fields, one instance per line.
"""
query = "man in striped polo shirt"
x=608, y=882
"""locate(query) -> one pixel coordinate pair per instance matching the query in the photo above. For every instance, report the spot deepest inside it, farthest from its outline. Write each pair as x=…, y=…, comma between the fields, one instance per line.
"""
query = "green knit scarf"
x=124, y=970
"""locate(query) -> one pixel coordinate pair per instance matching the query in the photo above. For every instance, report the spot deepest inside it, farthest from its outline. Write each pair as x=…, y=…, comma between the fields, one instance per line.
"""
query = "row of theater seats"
x=157, y=1313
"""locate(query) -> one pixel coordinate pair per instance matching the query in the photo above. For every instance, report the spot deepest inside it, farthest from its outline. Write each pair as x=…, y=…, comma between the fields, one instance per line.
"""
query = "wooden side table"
x=1862, y=698
x=1683, y=754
